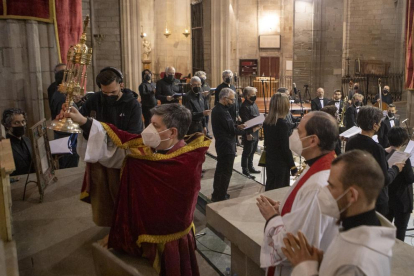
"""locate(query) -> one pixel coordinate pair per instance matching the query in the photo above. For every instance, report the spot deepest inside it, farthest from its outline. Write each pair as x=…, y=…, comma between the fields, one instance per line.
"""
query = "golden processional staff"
x=74, y=79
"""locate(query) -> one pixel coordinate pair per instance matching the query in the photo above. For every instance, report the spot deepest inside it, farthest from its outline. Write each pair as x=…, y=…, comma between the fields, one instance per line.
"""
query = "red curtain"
x=69, y=24
x=409, y=54
x=68, y=17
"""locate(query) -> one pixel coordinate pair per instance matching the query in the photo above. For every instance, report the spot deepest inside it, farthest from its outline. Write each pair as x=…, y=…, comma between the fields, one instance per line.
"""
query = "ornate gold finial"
x=79, y=57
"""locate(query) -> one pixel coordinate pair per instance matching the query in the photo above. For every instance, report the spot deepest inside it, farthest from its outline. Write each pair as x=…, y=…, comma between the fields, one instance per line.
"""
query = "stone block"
x=44, y=59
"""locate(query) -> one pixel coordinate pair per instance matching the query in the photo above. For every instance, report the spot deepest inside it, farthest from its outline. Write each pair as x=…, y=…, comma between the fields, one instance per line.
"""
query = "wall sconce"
x=99, y=38
x=142, y=33
x=186, y=33
x=167, y=33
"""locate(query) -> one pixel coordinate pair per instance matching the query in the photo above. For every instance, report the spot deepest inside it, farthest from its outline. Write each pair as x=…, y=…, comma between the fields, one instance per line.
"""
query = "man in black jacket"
x=206, y=94
x=248, y=111
x=225, y=131
x=114, y=105
x=320, y=101
x=351, y=112
x=147, y=93
x=227, y=76
x=337, y=100
x=389, y=122
x=14, y=122
x=58, y=80
x=167, y=87
x=194, y=101
x=369, y=119
x=386, y=96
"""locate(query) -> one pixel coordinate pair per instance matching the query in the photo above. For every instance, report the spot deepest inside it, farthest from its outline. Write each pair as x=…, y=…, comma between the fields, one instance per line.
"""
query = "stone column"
x=131, y=43
x=220, y=42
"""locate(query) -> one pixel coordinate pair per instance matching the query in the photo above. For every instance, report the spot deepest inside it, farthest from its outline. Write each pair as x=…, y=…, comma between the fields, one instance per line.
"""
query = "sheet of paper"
x=398, y=157
x=60, y=146
x=410, y=149
x=350, y=132
x=255, y=121
x=178, y=94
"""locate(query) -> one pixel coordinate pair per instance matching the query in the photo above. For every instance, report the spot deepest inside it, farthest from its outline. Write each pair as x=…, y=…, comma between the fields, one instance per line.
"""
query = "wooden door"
x=269, y=66
x=197, y=37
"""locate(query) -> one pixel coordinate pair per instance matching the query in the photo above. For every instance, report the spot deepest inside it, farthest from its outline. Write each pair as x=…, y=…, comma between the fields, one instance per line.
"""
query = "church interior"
x=300, y=45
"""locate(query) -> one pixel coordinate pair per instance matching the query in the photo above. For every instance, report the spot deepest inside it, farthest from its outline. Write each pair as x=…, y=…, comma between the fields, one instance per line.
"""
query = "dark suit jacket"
x=224, y=130
x=22, y=154
x=350, y=117
x=341, y=105
x=234, y=110
x=400, y=190
x=316, y=104
x=195, y=103
x=249, y=111
x=384, y=130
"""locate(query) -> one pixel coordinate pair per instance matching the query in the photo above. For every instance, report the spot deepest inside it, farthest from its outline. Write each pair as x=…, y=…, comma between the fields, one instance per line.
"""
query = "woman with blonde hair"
x=279, y=159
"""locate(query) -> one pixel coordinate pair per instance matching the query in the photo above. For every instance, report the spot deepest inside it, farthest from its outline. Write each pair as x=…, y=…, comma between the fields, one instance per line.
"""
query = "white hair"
x=169, y=67
x=195, y=79
x=225, y=92
x=247, y=89
x=227, y=72
x=200, y=73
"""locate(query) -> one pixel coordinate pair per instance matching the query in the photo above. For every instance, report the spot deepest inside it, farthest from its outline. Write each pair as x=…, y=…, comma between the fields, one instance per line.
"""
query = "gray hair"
x=225, y=92
x=368, y=116
x=174, y=115
x=247, y=89
x=200, y=73
x=195, y=79
x=169, y=67
x=226, y=72
x=8, y=116
x=282, y=89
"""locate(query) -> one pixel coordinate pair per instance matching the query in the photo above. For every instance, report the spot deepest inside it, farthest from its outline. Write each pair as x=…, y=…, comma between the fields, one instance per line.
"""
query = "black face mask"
x=253, y=98
x=147, y=77
x=385, y=91
x=228, y=80
x=196, y=89
x=18, y=131
x=390, y=114
x=109, y=100
x=356, y=87
x=170, y=77
x=358, y=104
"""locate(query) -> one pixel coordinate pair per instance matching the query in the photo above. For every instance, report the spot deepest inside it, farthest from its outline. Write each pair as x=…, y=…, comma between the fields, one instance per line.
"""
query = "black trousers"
x=401, y=222
x=147, y=114
x=195, y=126
x=382, y=209
x=222, y=176
x=249, y=148
x=67, y=160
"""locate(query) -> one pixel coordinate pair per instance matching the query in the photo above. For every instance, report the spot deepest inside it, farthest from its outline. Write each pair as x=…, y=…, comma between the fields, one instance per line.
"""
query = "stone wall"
x=28, y=55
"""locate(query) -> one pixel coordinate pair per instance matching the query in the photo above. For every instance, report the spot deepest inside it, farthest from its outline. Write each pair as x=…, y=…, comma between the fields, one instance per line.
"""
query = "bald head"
x=170, y=70
x=320, y=92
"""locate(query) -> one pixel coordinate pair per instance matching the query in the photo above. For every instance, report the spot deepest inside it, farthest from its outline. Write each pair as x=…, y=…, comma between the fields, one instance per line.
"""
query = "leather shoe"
x=253, y=170
x=247, y=173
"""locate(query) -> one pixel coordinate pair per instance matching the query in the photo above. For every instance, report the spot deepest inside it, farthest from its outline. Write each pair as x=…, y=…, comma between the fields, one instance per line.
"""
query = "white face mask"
x=328, y=204
x=295, y=143
x=151, y=137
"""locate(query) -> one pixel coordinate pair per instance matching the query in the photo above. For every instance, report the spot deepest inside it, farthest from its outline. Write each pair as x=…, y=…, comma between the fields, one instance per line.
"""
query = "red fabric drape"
x=409, y=28
x=69, y=24
x=68, y=17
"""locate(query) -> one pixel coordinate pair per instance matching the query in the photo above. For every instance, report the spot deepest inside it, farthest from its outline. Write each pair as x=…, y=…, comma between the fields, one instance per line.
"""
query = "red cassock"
x=158, y=193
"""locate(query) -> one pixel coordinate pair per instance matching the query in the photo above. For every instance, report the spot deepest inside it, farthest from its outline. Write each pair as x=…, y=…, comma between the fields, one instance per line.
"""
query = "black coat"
x=384, y=130
x=225, y=130
x=195, y=103
x=279, y=159
x=400, y=190
x=166, y=88
x=147, y=93
x=234, y=109
x=125, y=114
x=316, y=103
x=366, y=143
x=292, y=122
x=350, y=116
x=249, y=111
x=22, y=154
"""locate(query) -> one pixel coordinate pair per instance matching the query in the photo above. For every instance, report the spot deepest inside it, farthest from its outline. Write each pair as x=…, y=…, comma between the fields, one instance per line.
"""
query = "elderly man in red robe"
x=159, y=185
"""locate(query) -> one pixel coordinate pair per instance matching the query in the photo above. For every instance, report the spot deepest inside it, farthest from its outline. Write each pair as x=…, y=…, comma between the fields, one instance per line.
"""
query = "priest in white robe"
x=315, y=140
x=364, y=245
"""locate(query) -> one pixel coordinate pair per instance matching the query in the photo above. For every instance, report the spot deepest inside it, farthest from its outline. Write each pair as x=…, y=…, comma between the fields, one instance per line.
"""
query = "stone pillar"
x=131, y=43
x=220, y=42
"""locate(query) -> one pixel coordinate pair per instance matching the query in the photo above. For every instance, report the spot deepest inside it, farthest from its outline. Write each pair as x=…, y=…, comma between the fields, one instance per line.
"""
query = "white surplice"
x=360, y=251
x=305, y=216
x=100, y=148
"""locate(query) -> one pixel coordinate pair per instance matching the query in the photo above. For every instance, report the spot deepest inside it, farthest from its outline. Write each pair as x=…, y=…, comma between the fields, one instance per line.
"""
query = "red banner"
x=409, y=51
